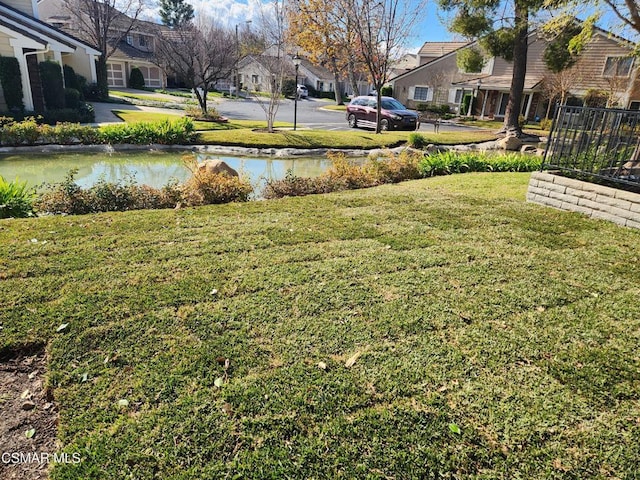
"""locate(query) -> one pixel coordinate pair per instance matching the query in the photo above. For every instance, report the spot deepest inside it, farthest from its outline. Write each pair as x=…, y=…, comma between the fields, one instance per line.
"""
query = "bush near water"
x=33, y=131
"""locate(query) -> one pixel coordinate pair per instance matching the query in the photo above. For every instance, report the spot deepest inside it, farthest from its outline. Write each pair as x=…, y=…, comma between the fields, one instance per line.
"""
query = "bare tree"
x=381, y=31
x=103, y=24
x=200, y=53
x=557, y=86
x=274, y=60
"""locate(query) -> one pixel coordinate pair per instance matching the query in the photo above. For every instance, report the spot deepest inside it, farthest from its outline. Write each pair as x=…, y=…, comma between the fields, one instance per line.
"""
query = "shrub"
x=204, y=187
x=289, y=88
x=445, y=163
x=26, y=132
x=72, y=98
x=344, y=175
x=387, y=91
x=52, y=84
x=11, y=82
x=292, y=186
x=175, y=132
x=417, y=140
x=84, y=114
x=522, y=120
x=394, y=168
x=136, y=79
x=545, y=124
x=16, y=200
x=194, y=111
x=69, y=198
x=91, y=92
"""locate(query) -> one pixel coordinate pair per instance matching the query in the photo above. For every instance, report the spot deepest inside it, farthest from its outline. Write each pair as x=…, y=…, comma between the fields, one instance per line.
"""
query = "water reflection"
x=150, y=168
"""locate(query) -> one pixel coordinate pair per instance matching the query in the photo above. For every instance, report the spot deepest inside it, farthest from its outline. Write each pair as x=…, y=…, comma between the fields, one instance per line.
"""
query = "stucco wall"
x=81, y=63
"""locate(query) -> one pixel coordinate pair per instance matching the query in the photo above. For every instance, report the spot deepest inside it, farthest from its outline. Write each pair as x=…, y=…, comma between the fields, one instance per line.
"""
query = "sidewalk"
x=104, y=114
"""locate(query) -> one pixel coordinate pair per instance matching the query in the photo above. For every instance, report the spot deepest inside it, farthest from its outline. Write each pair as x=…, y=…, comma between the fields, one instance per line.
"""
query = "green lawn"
x=465, y=333
x=246, y=133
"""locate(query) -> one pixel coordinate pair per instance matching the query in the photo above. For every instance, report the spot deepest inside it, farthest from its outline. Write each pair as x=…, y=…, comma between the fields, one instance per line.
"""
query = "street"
x=310, y=114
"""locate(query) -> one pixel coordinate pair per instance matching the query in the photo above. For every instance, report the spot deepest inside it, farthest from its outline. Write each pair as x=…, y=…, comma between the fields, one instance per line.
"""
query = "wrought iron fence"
x=595, y=142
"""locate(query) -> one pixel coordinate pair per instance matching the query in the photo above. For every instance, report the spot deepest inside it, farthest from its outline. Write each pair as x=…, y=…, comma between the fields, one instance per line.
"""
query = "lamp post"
x=296, y=64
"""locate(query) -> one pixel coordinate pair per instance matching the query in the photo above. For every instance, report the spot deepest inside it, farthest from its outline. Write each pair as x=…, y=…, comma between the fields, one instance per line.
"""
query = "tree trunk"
x=520, y=47
x=101, y=74
x=378, y=108
x=351, y=73
x=337, y=88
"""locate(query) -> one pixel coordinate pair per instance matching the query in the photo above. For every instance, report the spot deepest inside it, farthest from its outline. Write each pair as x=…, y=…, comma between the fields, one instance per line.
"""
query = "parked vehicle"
x=302, y=91
x=361, y=112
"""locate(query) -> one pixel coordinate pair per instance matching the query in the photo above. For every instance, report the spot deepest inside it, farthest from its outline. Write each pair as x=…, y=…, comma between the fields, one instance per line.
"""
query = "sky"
x=430, y=27
x=237, y=12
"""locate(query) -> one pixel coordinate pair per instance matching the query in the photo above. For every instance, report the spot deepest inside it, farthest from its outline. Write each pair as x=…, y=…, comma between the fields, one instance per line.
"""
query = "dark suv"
x=361, y=112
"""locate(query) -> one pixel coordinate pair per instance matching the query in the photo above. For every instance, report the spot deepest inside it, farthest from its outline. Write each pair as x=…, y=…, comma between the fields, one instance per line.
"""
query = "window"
x=129, y=39
x=254, y=79
x=142, y=40
x=617, y=67
x=421, y=93
x=115, y=76
x=455, y=96
x=320, y=86
x=634, y=105
x=502, y=106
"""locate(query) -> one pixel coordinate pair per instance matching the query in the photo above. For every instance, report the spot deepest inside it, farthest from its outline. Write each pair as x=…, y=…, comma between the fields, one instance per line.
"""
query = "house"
x=432, y=50
x=135, y=50
x=605, y=65
x=28, y=39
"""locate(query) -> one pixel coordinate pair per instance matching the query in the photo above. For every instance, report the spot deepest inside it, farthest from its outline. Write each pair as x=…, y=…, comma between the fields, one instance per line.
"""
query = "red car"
x=361, y=112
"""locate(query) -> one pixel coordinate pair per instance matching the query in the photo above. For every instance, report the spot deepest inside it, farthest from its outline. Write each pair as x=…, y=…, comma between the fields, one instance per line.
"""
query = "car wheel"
x=384, y=124
x=353, y=122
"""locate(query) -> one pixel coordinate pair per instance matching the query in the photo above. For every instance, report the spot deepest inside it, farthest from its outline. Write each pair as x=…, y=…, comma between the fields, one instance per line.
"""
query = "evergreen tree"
x=175, y=13
x=502, y=29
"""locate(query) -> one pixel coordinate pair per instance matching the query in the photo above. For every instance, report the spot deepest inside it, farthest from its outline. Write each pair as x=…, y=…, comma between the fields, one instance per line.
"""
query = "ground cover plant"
x=448, y=162
x=170, y=130
x=439, y=328
x=16, y=199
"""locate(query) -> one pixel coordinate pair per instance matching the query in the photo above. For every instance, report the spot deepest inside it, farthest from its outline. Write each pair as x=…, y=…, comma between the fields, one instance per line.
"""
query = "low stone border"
x=593, y=200
x=214, y=149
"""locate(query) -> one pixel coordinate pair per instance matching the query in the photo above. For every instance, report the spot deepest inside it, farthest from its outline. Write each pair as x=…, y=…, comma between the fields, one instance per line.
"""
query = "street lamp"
x=296, y=63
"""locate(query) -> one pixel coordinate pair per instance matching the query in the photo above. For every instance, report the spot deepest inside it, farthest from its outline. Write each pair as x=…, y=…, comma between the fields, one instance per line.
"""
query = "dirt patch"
x=29, y=416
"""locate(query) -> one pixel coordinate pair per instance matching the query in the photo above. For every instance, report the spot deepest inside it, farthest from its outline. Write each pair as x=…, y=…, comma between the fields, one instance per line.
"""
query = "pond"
x=151, y=168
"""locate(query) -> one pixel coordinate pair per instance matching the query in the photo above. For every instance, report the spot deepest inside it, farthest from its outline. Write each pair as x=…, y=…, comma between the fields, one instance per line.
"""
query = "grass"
x=243, y=133
x=146, y=97
x=498, y=124
x=337, y=108
x=488, y=338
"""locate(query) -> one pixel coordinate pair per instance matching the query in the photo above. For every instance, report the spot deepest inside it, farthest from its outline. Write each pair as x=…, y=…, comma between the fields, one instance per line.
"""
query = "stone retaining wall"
x=597, y=201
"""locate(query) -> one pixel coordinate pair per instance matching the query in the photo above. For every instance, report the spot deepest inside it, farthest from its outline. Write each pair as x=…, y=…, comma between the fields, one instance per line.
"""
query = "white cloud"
x=226, y=12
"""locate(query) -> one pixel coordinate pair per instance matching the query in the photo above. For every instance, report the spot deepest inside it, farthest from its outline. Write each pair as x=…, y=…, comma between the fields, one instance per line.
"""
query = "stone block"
x=632, y=224
x=563, y=197
x=628, y=196
x=613, y=202
x=538, y=191
x=609, y=217
x=581, y=193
